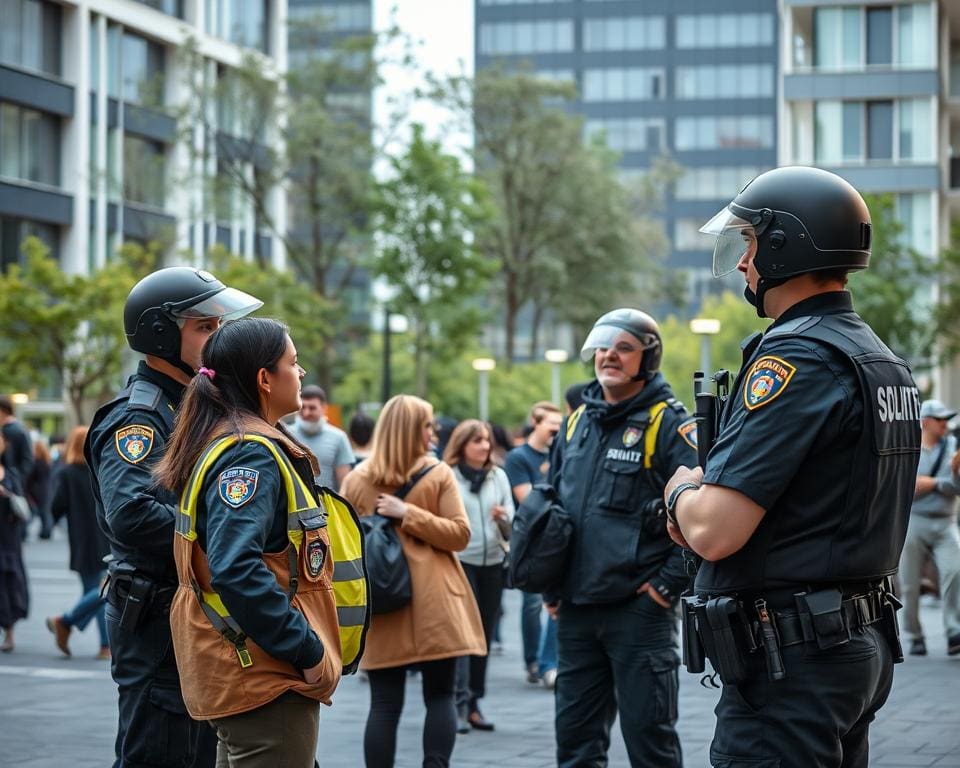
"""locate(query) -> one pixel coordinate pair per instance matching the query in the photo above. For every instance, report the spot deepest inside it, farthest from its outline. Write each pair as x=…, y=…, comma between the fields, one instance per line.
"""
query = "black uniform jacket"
x=620, y=540
x=126, y=438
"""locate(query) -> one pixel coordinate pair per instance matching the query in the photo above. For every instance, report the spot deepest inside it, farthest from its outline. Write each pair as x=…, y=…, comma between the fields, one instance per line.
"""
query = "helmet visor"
x=735, y=237
x=228, y=304
x=604, y=337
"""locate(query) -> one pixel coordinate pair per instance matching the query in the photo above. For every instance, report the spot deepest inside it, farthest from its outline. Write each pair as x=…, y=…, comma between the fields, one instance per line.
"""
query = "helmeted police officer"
x=168, y=316
x=801, y=512
x=616, y=632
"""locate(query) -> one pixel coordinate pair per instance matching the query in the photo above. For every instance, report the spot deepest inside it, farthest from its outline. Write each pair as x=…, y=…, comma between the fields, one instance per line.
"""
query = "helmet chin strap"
x=179, y=363
x=764, y=284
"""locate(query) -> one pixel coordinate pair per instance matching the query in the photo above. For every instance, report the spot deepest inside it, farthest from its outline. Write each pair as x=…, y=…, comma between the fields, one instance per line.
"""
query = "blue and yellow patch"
x=631, y=436
x=237, y=485
x=134, y=442
x=688, y=431
x=768, y=378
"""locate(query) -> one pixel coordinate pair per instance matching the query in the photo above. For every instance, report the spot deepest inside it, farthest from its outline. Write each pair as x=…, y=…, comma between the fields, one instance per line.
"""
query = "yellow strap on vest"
x=650, y=434
x=346, y=547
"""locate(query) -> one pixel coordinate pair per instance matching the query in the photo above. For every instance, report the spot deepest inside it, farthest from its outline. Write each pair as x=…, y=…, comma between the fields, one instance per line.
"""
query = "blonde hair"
x=74, y=448
x=398, y=439
x=464, y=432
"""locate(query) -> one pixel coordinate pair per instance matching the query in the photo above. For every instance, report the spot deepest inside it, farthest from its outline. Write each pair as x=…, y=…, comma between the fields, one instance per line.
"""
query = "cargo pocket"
x=161, y=733
x=663, y=670
x=622, y=480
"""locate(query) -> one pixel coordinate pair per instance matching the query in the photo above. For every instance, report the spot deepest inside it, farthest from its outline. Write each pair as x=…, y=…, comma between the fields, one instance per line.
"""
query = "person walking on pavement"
x=255, y=617
x=328, y=443
x=526, y=465
x=932, y=530
x=485, y=490
x=168, y=316
x=18, y=453
x=73, y=498
x=801, y=511
x=441, y=622
x=616, y=624
x=14, y=595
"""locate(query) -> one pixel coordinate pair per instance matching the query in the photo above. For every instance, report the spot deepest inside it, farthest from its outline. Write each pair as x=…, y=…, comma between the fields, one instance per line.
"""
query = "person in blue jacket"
x=616, y=630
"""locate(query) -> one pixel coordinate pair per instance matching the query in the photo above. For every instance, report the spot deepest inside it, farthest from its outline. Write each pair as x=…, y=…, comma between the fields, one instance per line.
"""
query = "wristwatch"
x=674, y=496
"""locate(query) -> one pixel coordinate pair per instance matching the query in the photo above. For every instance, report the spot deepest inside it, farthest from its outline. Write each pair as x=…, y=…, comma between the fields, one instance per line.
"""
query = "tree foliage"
x=946, y=312
x=563, y=230
x=67, y=326
x=427, y=213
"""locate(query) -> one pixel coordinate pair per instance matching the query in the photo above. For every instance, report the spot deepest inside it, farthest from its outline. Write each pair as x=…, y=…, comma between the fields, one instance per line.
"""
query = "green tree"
x=426, y=216
x=68, y=326
x=889, y=295
x=946, y=312
x=560, y=216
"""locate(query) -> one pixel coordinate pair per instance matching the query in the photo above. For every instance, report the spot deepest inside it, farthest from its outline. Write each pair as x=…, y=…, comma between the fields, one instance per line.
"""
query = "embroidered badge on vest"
x=688, y=431
x=767, y=380
x=631, y=436
x=134, y=443
x=237, y=485
x=316, y=556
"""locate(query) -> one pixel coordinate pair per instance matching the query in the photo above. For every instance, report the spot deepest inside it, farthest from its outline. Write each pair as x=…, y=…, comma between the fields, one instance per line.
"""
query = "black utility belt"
x=728, y=631
x=136, y=596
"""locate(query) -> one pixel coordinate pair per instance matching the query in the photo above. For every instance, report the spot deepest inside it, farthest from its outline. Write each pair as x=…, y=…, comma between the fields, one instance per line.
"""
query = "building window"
x=29, y=145
x=688, y=237
x=632, y=84
x=879, y=36
x=880, y=130
x=243, y=22
x=30, y=35
x=169, y=7
x=851, y=131
x=624, y=34
x=724, y=30
x=748, y=81
x=838, y=133
x=526, y=37
x=628, y=134
x=836, y=34
x=143, y=172
x=739, y=132
x=14, y=231
x=142, y=68
x=915, y=212
x=335, y=16
x=916, y=35
x=713, y=183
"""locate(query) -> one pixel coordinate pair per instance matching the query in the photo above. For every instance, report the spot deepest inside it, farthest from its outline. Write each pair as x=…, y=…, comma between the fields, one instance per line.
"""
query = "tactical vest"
x=228, y=672
x=865, y=542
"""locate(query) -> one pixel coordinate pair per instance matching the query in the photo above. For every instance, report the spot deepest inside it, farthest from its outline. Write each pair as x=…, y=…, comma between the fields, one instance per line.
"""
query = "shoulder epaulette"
x=676, y=405
x=145, y=395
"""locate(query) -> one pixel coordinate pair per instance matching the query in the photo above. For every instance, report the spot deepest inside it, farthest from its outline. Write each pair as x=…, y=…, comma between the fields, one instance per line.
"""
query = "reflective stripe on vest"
x=649, y=434
x=346, y=546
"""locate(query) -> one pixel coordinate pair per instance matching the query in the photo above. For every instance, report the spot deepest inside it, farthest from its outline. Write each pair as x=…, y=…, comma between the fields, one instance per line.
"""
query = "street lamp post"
x=483, y=366
x=705, y=328
x=556, y=358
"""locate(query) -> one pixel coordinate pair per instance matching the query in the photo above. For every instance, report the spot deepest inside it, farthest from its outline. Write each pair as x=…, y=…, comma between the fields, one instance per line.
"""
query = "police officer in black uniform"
x=801, y=511
x=616, y=634
x=167, y=316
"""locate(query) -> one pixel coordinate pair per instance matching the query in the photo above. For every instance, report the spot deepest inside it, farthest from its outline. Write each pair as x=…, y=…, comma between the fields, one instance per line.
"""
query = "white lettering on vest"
x=898, y=404
x=618, y=454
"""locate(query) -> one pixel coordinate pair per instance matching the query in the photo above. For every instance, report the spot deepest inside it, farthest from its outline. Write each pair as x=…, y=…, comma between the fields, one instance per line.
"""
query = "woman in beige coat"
x=441, y=622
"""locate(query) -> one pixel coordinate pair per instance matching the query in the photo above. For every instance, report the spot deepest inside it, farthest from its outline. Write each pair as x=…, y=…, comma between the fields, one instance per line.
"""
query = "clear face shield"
x=736, y=237
x=228, y=304
x=605, y=337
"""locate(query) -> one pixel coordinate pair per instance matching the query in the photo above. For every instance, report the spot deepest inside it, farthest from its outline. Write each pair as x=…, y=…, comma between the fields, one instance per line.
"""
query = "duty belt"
x=136, y=596
x=795, y=627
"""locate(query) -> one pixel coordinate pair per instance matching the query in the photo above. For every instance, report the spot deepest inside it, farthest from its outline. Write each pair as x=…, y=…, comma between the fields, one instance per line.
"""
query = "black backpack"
x=540, y=541
x=387, y=569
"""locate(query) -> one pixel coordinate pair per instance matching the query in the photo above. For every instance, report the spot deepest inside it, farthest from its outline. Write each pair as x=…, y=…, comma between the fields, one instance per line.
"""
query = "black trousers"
x=486, y=581
x=818, y=715
x=618, y=657
x=154, y=728
x=387, y=688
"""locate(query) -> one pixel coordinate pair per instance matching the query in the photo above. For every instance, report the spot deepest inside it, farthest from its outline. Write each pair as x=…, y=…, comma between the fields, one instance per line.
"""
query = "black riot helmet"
x=638, y=324
x=803, y=219
x=161, y=299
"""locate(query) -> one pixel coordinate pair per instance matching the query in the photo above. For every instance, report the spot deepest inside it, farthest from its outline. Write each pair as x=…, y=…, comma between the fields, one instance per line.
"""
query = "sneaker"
x=61, y=633
x=550, y=679
x=953, y=645
x=918, y=647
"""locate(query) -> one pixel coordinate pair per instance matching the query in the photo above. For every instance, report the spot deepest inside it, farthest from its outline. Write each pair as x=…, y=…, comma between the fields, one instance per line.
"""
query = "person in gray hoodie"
x=486, y=495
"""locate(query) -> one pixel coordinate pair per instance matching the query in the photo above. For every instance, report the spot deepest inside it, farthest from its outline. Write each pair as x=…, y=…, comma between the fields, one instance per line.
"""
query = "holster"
x=721, y=632
x=693, y=655
x=131, y=593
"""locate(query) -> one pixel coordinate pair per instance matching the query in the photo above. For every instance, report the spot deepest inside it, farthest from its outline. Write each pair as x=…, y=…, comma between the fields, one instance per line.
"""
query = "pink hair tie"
x=208, y=372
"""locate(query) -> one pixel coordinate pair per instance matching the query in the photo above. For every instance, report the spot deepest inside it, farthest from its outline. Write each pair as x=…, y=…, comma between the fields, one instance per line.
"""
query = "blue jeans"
x=539, y=638
x=90, y=605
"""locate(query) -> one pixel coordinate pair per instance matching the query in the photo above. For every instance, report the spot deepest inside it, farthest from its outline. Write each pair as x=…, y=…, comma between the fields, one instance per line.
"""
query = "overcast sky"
x=442, y=34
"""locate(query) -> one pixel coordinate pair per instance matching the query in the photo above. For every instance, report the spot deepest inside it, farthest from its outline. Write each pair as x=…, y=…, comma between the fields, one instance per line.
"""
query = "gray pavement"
x=57, y=712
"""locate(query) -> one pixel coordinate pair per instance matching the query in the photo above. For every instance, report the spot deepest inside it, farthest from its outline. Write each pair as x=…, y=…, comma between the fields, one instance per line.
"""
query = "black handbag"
x=540, y=543
x=387, y=569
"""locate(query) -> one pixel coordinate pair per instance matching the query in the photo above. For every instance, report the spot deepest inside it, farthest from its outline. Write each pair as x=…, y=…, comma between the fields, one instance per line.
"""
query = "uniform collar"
x=172, y=388
x=831, y=303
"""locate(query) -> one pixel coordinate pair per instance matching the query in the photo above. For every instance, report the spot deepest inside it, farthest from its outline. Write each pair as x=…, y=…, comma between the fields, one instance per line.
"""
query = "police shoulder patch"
x=237, y=485
x=134, y=442
x=688, y=431
x=766, y=381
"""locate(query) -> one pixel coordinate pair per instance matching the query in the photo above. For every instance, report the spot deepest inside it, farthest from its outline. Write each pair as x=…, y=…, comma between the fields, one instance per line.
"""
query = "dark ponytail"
x=225, y=392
